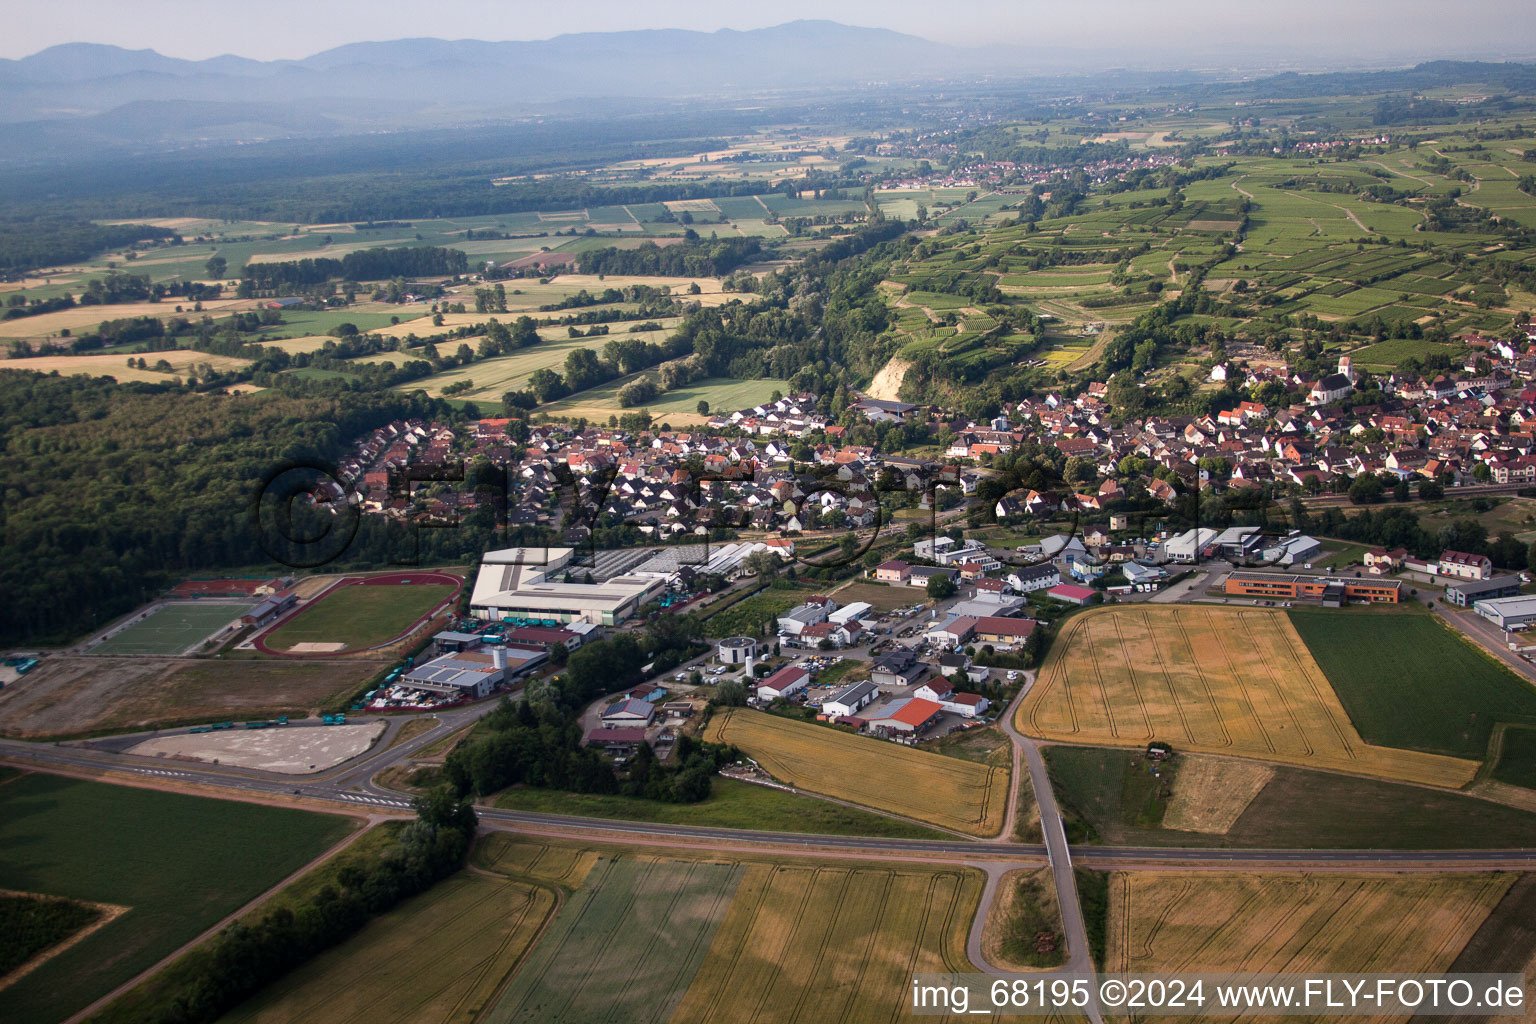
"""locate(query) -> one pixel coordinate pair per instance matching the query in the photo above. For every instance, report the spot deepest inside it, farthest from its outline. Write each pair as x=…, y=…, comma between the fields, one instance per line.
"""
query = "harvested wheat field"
x=76, y=318
x=183, y=362
x=966, y=796
x=1211, y=793
x=803, y=943
x=1294, y=922
x=1233, y=681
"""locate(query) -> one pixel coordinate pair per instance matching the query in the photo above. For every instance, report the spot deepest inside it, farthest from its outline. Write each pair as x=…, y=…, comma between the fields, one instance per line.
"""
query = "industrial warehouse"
x=552, y=585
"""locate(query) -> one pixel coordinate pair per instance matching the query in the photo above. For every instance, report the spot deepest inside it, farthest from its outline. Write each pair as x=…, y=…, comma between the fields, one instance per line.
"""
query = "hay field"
x=710, y=291
x=1211, y=793
x=497, y=375
x=305, y=343
x=962, y=795
x=1209, y=680
x=678, y=407
x=473, y=929
x=803, y=943
x=48, y=324
x=183, y=361
x=1294, y=922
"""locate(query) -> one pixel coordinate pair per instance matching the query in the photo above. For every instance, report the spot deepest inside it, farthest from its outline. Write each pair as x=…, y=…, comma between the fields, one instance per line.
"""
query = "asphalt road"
x=350, y=786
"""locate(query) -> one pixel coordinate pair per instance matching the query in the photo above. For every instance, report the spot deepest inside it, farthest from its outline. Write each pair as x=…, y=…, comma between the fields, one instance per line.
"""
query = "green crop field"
x=731, y=804
x=178, y=863
x=31, y=924
x=172, y=628
x=625, y=946
x=1408, y=682
x=1517, y=758
x=358, y=616
x=1388, y=354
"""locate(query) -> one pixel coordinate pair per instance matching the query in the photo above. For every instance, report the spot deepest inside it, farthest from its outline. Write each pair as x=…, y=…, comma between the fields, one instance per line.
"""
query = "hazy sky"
x=1367, y=29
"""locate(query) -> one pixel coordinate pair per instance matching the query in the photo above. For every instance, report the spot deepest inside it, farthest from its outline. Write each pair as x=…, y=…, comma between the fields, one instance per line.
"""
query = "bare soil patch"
x=69, y=695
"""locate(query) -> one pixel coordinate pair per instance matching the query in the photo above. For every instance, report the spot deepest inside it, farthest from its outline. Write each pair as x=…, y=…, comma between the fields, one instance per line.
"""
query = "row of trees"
x=690, y=258
x=363, y=265
x=252, y=953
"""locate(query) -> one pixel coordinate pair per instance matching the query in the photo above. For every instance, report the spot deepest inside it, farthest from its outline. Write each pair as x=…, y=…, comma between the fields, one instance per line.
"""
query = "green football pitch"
x=172, y=628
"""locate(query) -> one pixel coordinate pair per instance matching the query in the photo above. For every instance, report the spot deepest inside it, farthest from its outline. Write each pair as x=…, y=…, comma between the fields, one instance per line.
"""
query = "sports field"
x=173, y=628
x=472, y=929
x=625, y=946
x=362, y=612
x=178, y=863
x=1294, y=922
x=966, y=796
x=1209, y=680
x=805, y=944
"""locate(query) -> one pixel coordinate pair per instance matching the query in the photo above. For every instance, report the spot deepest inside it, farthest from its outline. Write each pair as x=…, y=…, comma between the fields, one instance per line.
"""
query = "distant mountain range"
x=84, y=99
x=82, y=79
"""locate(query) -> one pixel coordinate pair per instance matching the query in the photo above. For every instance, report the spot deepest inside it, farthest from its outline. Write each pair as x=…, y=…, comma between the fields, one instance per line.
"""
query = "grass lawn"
x=1109, y=790
x=1342, y=555
x=359, y=616
x=172, y=628
x=1296, y=809
x=1407, y=681
x=179, y=863
x=731, y=804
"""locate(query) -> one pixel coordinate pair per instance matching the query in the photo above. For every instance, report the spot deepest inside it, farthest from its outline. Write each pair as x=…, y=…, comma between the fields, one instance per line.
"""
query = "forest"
x=111, y=492
x=27, y=243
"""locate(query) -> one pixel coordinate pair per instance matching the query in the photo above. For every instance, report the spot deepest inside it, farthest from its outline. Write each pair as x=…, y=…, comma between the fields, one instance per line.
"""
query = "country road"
x=349, y=789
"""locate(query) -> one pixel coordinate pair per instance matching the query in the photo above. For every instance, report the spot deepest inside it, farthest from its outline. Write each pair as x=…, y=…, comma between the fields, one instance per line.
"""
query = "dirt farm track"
x=328, y=618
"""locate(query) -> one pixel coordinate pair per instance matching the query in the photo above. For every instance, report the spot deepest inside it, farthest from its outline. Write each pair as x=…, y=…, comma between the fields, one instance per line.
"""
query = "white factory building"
x=521, y=583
